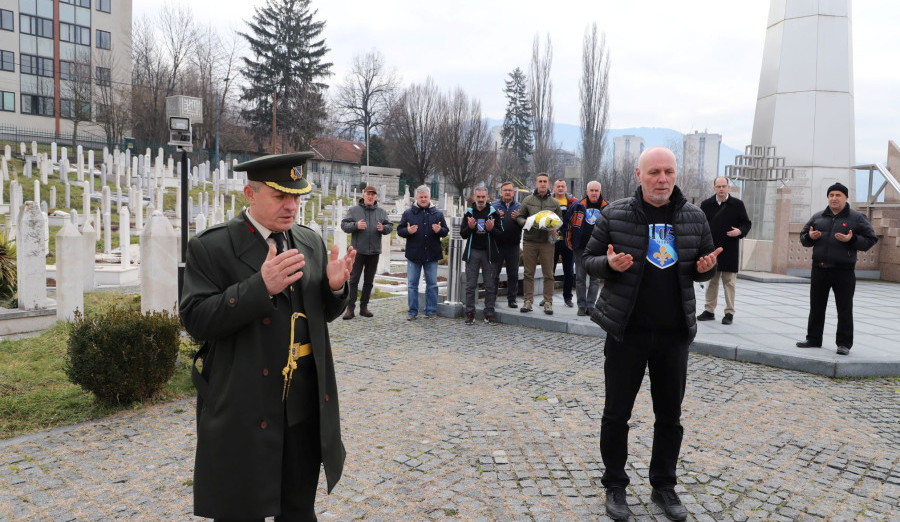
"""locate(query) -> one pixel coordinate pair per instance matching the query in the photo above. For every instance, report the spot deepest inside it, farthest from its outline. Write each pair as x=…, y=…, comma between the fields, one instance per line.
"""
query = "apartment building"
x=56, y=59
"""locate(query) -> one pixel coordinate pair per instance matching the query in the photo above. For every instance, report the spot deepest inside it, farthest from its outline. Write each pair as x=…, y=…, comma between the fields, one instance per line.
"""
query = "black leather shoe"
x=706, y=316
x=728, y=319
x=668, y=500
x=807, y=344
x=582, y=311
x=349, y=314
x=513, y=304
x=616, y=506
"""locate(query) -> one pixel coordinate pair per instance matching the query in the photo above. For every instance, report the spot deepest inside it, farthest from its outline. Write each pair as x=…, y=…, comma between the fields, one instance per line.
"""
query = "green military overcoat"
x=240, y=413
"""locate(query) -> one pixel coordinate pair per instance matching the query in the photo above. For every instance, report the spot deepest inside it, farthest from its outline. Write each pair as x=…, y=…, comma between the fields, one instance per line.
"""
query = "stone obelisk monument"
x=804, y=107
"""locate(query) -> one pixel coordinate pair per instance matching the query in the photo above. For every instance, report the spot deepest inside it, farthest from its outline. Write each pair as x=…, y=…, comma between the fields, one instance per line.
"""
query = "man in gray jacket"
x=365, y=223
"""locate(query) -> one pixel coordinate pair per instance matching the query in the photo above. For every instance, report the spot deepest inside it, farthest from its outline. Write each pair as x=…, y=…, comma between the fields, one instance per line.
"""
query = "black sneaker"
x=470, y=318
x=616, y=506
x=728, y=319
x=569, y=303
x=843, y=350
x=808, y=344
x=489, y=319
x=706, y=316
x=582, y=311
x=513, y=304
x=668, y=500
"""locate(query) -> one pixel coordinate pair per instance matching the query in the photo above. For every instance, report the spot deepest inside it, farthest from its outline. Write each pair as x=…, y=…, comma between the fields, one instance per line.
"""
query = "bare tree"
x=411, y=130
x=619, y=179
x=594, y=94
x=464, y=151
x=365, y=97
x=159, y=58
x=113, y=107
x=76, y=90
x=540, y=90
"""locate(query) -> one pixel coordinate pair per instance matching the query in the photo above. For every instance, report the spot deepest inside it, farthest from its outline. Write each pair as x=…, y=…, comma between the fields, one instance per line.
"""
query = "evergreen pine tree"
x=287, y=58
x=516, y=134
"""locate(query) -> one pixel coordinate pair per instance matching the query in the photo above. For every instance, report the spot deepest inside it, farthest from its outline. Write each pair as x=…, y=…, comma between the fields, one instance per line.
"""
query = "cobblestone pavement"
x=443, y=420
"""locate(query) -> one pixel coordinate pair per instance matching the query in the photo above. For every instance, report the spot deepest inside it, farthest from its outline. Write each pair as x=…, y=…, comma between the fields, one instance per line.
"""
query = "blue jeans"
x=413, y=272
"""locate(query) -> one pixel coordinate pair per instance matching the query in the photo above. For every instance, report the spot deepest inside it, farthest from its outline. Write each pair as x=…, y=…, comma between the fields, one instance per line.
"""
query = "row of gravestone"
x=75, y=263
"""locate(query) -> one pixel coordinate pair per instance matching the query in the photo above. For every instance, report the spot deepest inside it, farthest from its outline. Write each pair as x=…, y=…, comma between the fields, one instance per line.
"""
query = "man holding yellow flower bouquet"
x=538, y=243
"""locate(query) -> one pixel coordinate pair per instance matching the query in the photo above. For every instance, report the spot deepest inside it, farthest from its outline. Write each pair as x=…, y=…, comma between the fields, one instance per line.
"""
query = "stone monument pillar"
x=804, y=106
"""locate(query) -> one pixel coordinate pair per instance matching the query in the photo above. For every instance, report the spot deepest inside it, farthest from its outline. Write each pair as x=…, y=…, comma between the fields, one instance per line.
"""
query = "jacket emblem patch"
x=661, y=248
x=591, y=215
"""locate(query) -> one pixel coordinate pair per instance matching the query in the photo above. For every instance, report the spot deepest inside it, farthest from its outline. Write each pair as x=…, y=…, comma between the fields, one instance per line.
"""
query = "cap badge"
x=297, y=172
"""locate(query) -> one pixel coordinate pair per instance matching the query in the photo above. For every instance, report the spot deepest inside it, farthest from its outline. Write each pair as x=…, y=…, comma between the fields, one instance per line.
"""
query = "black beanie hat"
x=838, y=187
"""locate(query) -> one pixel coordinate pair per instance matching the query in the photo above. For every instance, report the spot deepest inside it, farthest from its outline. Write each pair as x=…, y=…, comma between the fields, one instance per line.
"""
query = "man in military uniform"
x=252, y=287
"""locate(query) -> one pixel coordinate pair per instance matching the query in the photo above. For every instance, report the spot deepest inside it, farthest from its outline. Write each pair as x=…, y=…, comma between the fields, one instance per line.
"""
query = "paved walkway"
x=771, y=315
x=447, y=421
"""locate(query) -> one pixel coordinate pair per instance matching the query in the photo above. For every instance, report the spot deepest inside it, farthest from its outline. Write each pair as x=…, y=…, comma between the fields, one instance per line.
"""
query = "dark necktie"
x=279, y=241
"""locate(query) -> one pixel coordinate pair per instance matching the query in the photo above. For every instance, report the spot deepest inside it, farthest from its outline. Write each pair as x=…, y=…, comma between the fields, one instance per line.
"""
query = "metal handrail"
x=871, y=197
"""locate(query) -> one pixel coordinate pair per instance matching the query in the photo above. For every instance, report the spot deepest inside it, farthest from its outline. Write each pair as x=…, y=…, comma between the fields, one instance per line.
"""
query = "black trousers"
x=666, y=356
x=843, y=282
x=369, y=263
x=561, y=251
x=509, y=254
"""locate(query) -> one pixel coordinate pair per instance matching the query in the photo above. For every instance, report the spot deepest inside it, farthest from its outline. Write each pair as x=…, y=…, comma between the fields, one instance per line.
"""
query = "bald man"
x=649, y=249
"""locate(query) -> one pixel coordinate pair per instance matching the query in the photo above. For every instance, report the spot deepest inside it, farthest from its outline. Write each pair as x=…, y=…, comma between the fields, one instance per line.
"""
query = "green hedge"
x=123, y=356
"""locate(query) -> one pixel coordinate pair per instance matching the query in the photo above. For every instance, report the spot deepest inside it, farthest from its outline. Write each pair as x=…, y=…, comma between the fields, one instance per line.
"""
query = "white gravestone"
x=384, y=260
x=107, y=233
x=69, y=272
x=89, y=249
x=30, y=258
x=159, y=265
x=199, y=223
x=125, y=235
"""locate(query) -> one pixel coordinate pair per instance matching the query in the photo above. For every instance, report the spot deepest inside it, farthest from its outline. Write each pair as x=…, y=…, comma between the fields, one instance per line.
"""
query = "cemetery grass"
x=35, y=393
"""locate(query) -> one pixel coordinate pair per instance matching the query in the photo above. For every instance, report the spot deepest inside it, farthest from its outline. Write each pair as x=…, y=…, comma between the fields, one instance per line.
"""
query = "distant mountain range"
x=569, y=138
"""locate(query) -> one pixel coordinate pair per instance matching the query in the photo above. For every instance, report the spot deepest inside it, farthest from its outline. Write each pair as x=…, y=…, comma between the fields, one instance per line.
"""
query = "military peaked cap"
x=282, y=172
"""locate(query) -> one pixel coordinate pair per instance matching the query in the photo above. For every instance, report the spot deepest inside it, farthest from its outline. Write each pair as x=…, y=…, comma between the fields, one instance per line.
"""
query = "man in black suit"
x=259, y=291
x=728, y=222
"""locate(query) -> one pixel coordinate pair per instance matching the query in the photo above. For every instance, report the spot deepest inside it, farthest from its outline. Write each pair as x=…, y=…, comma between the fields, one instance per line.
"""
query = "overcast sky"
x=690, y=65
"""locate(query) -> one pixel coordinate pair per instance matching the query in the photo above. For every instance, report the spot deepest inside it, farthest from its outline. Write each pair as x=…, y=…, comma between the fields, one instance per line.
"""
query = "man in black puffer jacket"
x=835, y=235
x=649, y=249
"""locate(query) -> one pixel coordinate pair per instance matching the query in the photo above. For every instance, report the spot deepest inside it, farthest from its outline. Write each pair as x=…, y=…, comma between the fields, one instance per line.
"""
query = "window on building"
x=36, y=65
x=103, y=5
x=103, y=39
x=79, y=3
x=102, y=109
x=36, y=25
x=73, y=71
x=7, y=61
x=37, y=105
x=7, y=20
x=74, y=33
x=104, y=76
x=67, y=109
x=8, y=101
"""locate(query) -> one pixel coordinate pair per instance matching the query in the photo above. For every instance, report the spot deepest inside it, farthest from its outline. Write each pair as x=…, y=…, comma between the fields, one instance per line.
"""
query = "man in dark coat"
x=649, y=249
x=508, y=239
x=251, y=287
x=366, y=223
x=422, y=226
x=835, y=235
x=581, y=217
x=728, y=222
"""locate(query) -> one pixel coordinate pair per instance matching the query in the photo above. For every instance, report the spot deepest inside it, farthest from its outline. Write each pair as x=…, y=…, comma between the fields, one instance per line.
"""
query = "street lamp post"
x=219, y=107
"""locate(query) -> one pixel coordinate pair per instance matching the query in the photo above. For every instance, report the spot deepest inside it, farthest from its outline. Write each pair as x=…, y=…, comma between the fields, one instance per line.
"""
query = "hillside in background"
x=569, y=138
